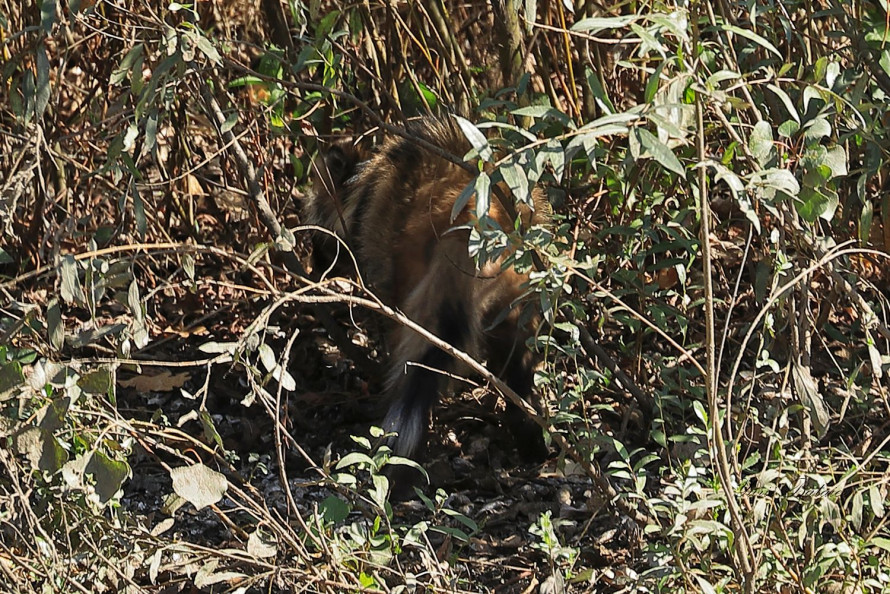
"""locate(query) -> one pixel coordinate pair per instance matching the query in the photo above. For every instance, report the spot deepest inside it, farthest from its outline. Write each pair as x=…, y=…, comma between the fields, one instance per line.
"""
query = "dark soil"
x=470, y=456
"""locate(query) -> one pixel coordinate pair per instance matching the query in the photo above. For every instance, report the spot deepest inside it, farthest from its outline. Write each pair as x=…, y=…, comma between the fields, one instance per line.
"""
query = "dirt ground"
x=470, y=456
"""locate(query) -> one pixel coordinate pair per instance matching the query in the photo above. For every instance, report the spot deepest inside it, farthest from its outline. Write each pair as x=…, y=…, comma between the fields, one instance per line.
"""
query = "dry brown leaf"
x=667, y=278
x=195, y=331
x=193, y=187
x=160, y=381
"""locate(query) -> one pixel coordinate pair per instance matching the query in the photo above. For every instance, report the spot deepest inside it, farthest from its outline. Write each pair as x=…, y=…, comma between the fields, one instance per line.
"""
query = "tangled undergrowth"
x=182, y=407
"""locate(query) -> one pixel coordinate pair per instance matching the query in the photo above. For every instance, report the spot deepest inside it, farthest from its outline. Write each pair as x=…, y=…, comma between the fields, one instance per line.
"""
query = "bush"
x=713, y=288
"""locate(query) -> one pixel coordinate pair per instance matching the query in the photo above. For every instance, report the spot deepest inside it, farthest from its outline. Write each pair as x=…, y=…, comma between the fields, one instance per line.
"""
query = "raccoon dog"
x=394, y=211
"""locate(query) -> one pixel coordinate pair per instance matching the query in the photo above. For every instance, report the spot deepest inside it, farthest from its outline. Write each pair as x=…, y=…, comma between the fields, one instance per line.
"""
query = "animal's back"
x=394, y=209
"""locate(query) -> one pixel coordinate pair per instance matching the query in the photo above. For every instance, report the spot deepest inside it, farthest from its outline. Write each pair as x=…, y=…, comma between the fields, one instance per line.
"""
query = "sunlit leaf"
x=199, y=485
x=652, y=147
x=597, y=24
x=476, y=137
x=808, y=391
x=109, y=475
x=752, y=36
x=262, y=544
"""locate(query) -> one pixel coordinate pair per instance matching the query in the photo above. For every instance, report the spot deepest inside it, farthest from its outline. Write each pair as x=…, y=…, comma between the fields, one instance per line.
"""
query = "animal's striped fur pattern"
x=394, y=211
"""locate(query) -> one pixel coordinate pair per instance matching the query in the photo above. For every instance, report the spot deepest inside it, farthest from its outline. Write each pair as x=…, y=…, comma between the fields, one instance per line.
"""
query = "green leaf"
x=817, y=129
x=599, y=92
x=283, y=377
x=93, y=336
x=476, y=137
x=214, y=347
x=750, y=35
x=531, y=14
x=704, y=586
x=483, y=194
x=856, y=510
x=229, y=123
x=334, y=510
x=267, y=357
x=463, y=199
x=151, y=133
x=515, y=178
x=700, y=412
x=429, y=97
x=70, y=286
x=99, y=381
x=865, y=220
x=108, y=473
x=586, y=141
x=718, y=77
x=786, y=100
x=814, y=203
x=40, y=448
x=353, y=459
x=653, y=83
x=208, y=50
x=54, y=325
x=506, y=126
x=876, y=501
x=208, y=428
x=732, y=180
x=380, y=490
x=652, y=147
x=49, y=14
x=650, y=42
x=120, y=73
x=884, y=61
x=158, y=75
x=326, y=25
x=760, y=143
x=811, y=93
x=788, y=129
x=53, y=414
x=401, y=461
x=769, y=181
x=808, y=392
x=542, y=112
x=595, y=24
x=44, y=88
x=553, y=153
x=668, y=125
x=836, y=160
x=618, y=123
x=11, y=376
x=130, y=137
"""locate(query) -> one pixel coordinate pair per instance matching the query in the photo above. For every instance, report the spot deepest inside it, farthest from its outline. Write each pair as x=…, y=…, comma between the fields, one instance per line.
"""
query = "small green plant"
x=373, y=540
x=561, y=557
x=373, y=461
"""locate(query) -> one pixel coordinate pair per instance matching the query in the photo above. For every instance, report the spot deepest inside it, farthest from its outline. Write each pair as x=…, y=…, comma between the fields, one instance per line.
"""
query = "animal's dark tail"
x=409, y=412
x=416, y=379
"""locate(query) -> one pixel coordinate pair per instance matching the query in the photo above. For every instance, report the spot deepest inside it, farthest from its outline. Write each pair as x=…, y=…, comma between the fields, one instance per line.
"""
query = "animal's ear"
x=341, y=161
x=335, y=166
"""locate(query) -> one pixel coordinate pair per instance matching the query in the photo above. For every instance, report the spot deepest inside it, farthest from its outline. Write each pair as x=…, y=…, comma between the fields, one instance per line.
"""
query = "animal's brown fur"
x=394, y=211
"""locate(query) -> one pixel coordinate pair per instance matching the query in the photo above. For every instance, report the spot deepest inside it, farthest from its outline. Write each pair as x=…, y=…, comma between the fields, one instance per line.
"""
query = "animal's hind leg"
x=414, y=384
x=416, y=378
x=510, y=359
